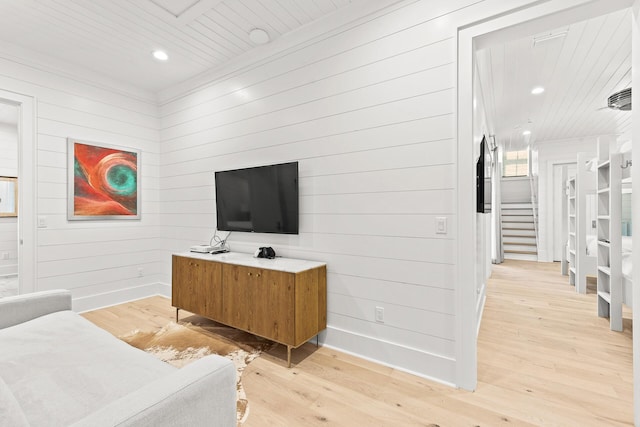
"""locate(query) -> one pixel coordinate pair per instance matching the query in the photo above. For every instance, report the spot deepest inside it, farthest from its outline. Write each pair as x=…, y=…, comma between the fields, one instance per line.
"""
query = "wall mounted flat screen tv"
x=262, y=199
x=483, y=179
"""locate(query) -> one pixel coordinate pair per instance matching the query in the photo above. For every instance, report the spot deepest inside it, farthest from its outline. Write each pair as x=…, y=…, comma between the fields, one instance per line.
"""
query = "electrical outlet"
x=42, y=222
x=380, y=314
x=5, y=255
x=140, y=272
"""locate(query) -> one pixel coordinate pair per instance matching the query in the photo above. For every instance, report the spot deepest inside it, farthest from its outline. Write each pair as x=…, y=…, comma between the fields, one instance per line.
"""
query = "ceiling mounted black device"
x=620, y=100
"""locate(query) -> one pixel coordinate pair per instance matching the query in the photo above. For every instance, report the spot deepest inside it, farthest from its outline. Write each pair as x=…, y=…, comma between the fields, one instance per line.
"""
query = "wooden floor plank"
x=544, y=358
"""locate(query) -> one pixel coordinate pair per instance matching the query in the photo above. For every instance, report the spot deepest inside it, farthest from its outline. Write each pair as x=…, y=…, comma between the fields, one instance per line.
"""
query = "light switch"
x=42, y=222
x=441, y=225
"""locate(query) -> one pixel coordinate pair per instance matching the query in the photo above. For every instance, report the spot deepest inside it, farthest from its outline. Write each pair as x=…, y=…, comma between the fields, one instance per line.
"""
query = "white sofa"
x=59, y=369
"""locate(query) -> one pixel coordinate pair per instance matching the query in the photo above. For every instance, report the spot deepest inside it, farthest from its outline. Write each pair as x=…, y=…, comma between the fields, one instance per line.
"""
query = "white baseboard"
x=95, y=302
x=431, y=366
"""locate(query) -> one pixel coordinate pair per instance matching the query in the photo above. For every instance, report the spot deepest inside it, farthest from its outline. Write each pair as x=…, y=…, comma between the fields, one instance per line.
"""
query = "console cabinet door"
x=236, y=288
x=197, y=287
x=273, y=305
x=259, y=301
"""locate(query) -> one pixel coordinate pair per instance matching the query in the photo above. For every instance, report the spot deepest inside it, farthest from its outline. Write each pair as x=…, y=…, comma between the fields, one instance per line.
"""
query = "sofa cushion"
x=10, y=411
x=61, y=367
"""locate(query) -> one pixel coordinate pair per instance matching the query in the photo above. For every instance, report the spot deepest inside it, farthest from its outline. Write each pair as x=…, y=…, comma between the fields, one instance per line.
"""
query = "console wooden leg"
x=177, y=310
x=288, y=356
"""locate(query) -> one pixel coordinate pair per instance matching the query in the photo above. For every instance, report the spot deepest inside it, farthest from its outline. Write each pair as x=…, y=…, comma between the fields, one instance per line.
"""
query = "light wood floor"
x=545, y=358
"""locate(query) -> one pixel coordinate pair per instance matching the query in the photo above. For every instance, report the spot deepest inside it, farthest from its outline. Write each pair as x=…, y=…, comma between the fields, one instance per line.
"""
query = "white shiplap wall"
x=97, y=260
x=8, y=226
x=368, y=109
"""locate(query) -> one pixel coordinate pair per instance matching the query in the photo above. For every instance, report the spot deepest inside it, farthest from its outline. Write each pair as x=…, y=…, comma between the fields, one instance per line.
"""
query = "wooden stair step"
x=509, y=251
x=519, y=243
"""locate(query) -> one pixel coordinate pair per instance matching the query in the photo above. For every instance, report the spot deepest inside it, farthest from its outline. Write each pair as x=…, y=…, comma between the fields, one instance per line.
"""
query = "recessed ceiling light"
x=160, y=55
x=259, y=36
x=526, y=132
x=537, y=90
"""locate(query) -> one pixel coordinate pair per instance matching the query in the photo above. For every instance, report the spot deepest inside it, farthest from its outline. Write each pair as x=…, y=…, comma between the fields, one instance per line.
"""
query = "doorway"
x=24, y=108
x=535, y=18
x=9, y=198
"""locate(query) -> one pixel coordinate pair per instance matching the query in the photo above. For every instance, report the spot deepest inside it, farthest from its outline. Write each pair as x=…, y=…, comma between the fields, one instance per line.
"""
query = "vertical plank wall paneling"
x=368, y=110
x=97, y=260
x=8, y=226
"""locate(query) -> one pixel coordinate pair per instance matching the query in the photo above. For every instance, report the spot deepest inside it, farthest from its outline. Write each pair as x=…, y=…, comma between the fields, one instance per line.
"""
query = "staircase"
x=519, y=231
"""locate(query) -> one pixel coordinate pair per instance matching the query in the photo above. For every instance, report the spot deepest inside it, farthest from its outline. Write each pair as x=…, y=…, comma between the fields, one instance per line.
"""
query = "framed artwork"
x=8, y=196
x=104, y=181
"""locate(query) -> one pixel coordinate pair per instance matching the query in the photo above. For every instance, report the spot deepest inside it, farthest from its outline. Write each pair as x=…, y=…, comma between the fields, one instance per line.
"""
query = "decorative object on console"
x=103, y=180
x=201, y=249
x=265, y=252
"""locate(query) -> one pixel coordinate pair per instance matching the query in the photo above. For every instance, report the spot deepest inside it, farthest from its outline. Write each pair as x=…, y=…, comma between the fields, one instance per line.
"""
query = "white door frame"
x=635, y=174
x=559, y=12
x=551, y=222
x=26, y=189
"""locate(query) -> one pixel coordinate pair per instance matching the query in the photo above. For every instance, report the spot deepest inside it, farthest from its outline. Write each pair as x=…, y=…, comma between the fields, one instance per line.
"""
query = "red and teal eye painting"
x=105, y=182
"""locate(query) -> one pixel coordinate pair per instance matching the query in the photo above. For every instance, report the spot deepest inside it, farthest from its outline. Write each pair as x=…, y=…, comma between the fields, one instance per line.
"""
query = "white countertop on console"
x=289, y=265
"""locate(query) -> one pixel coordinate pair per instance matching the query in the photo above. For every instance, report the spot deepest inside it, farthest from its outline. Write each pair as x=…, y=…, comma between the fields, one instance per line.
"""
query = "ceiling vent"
x=620, y=100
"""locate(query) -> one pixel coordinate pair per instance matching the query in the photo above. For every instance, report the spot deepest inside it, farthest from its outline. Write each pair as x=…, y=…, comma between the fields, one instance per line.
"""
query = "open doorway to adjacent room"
x=9, y=178
x=546, y=75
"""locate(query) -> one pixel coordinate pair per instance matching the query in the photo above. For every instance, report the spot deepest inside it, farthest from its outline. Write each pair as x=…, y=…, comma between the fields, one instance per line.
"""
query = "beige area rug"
x=196, y=337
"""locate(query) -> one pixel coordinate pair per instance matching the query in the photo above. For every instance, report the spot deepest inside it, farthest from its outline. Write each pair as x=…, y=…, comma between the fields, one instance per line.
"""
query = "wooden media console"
x=281, y=299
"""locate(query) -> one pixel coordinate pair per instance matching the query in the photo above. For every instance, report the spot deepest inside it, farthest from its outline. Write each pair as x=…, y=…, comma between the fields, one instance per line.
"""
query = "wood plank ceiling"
x=578, y=71
x=116, y=37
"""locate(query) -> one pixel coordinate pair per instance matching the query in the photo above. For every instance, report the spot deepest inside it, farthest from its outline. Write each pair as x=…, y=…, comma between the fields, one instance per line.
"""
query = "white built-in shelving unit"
x=586, y=264
x=571, y=225
x=609, y=196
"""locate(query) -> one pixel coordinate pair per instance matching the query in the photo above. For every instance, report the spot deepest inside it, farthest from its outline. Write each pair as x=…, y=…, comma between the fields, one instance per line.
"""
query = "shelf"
x=603, y=190
x=603, y=217
x=572, y=216
x=605, y=270
x=605, y=296
x=604, y=164
x=603, y=243
x=572, y=197
x=572, y=234
x=572, y=270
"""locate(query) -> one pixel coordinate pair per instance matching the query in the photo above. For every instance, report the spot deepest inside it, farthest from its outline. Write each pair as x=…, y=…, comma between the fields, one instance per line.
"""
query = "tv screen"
x=483, y=178
x=262, y=199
